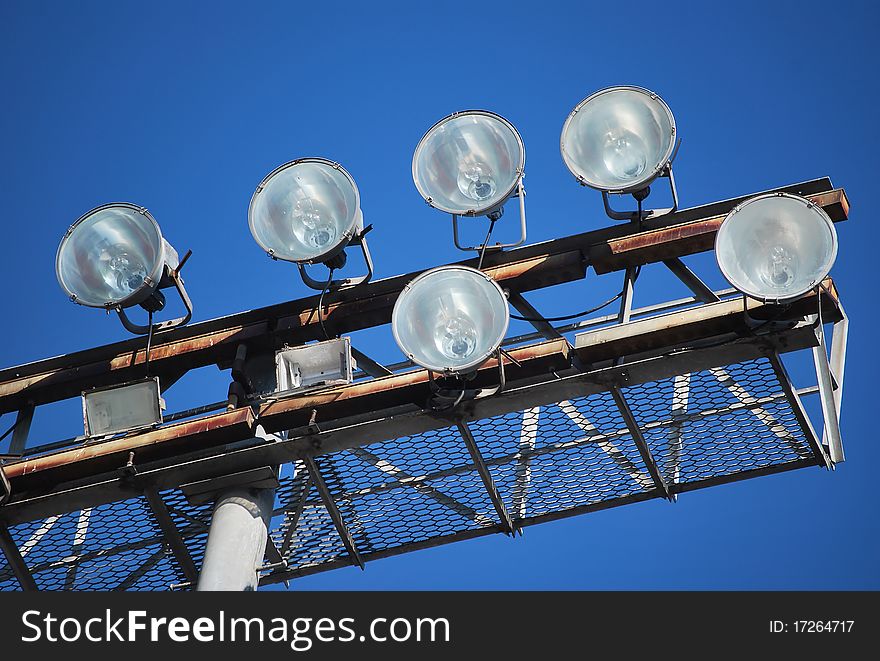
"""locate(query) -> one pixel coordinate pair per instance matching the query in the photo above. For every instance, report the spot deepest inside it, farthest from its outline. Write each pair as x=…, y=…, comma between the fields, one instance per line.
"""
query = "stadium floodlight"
x=450, y=319
x=114, y=257
x=308, y=211
x=118, y=409
x=776, y=247
x=619, y=140
x=469, y=164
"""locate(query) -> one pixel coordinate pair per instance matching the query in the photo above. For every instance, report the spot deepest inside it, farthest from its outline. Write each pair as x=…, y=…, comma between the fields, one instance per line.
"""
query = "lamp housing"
x=469, y=163
x=450, y=319
x=305, y=211
x=619, y=139
x=776, y=247
x=117, y=409
x=113, y=257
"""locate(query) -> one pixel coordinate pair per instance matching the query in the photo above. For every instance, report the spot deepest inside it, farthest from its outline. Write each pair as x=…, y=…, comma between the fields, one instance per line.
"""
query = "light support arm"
x=521, y=194
x=170, y=277
x=650, y=213
x=321, y=285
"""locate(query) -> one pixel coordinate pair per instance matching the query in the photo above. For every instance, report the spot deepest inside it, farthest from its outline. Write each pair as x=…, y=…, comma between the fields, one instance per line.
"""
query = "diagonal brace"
x=333, y=510
x=16, y=562
x=172, y=535
x=630, y=420
x=486, y=476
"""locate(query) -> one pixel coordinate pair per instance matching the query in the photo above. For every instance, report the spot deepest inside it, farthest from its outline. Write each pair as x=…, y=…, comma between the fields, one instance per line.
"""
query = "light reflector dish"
x=122, y=408
x=450, y=319
x=112, y=256
x=305, y=211
x=776, y=247
x=468, y=163
x=618, y=139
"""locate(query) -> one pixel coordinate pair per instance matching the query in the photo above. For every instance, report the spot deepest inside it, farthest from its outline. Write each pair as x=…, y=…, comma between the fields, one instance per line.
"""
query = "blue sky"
x=183, y=107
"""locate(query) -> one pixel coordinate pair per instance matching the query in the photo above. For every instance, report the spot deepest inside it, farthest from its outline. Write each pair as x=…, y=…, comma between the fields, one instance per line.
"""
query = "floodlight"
x=469, y=164
x=307, y=211
x=117, y=409
x=776, y=247
x=114, y=257
x=450, y=319
x=618, y=140
x=321, y=363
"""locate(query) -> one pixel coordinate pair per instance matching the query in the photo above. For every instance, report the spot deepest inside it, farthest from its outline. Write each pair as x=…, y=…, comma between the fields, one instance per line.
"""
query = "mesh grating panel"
x=401, y=494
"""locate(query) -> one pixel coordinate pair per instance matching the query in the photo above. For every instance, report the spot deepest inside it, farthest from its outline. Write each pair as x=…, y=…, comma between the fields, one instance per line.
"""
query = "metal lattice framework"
x=570, y=457
x=683, y=396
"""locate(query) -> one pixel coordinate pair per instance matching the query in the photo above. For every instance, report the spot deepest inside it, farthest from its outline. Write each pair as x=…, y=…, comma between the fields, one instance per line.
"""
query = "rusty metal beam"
x=215, y=342
x=326, y=408
x=524, y=269
x=150, y=446
x=693, y=325
x=58, y=495
x=685, y=238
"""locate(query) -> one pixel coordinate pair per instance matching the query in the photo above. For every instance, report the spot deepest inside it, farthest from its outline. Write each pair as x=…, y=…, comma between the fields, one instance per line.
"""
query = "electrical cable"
x=611, y=300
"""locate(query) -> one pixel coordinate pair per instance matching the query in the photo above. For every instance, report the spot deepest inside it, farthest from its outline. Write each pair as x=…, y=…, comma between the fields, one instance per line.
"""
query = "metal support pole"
x=797, y=407
x=626, y=298
x=826, y=395
x=22, y=429
x=237, y=540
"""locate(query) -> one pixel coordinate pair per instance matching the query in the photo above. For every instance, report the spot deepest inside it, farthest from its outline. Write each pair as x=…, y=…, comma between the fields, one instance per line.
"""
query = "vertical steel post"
x=236, y=540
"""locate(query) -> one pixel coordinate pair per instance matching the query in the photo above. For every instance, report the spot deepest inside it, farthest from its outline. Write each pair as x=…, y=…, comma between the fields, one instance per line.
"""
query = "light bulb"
x=780, y=269
x=624, y=154
x=458, y=336
x=476, y=181
x=121, y=270
x=318, y=231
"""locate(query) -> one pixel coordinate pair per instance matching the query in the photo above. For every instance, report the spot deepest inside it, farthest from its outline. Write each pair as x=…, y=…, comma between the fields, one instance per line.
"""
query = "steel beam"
x=800, y=413
x=16, y=561
x=22, y=429
x=333, y=511
x=764, y=416
x=638, y=438
x=701, y=292
x=292, y=518
x=172, y=535
x=830, y=411
x=606, y=443
x=485, y=476
x=427, y=490
x=678, y=239
x=142, y=570
x=679, y=411
x=376, y=425
x=523, y=471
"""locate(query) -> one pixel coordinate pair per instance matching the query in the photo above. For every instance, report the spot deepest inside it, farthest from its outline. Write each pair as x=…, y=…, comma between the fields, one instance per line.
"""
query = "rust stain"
x=158, y=436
